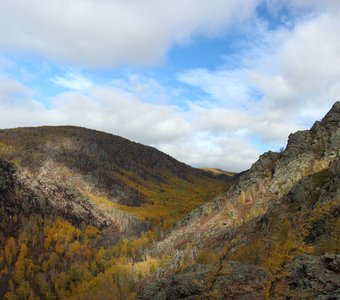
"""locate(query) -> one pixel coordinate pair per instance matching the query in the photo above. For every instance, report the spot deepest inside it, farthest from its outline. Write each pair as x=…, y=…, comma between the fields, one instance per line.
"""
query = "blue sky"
x=210, y=83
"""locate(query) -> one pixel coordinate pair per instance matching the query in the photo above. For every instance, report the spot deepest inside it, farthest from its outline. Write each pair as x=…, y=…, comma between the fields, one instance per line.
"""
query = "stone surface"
x=312, y=277
x=207, y=282
x=299, y=181
x=22, y=193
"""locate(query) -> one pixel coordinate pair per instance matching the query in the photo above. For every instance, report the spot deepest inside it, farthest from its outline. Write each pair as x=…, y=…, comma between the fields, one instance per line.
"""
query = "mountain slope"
x=69, y=199
x=101, y=158
x=87, y=215
x=108, y=169
x=241, y=244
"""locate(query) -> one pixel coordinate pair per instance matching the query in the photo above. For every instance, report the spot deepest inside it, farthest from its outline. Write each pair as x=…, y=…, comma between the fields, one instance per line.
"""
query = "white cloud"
x=108, y=32
x=178, y=133
x=224, y=87
x=11, y=91
x=307, y=70
x=119, y=112
x=219, y=119
x=101, y=107
x=283, y=84
x=17, y=108
x=146, y=88
x=295, y=77
x=73, y=81
x=324, y=5
x=228, y=152
x=309, y=7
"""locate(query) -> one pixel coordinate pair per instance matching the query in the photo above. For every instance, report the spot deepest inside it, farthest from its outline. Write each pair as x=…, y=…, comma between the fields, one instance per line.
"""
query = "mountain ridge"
x=107, y=218
x=92, y=161
x=230, y=223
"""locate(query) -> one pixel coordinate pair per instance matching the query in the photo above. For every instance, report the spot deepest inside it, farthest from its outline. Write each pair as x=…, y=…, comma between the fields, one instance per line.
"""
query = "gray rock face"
x=21, y=193
x=207, y=282
x=188, y=284
x=313, y=277
x=243, y=282
x=269, y=179
x=323, y=138
x=289, y=184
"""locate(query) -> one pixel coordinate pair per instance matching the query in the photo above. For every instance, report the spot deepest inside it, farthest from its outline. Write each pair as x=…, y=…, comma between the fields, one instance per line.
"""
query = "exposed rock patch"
x=311, y=277
x=21, y=193
x=295, y=190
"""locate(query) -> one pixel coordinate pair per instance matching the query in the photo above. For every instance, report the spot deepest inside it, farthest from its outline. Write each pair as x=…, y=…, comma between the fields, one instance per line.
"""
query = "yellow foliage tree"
x=19, y=270
x=10, y=251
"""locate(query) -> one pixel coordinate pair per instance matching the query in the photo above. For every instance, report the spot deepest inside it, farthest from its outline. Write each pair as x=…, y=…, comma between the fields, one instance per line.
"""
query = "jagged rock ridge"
x=294, y=193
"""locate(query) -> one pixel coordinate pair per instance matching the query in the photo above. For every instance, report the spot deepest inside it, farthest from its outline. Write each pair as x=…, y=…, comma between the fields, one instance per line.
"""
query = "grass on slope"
x=217, y=171
x=293, y=230
x=167, y=202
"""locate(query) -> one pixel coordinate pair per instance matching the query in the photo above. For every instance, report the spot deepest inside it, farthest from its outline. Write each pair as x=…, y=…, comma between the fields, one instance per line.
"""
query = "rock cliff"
x=285, y=206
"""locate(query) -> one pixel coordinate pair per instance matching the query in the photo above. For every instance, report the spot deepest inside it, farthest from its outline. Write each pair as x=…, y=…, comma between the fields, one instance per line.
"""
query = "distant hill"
x=100, y=165
x=217, y=171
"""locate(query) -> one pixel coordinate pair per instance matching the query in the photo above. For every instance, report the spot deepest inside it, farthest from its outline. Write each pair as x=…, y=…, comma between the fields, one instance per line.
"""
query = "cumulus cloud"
x=226, y=151
x=119, y=112
x=17, y=108
x=108, y=32
x=307, y=70
x=101, y=107
x=288, y=78
x=111, y=109
x=290, y=83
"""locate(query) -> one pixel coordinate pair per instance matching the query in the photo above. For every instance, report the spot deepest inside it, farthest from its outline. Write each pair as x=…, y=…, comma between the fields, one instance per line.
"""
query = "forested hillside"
x=79, y=205
x=88, y=215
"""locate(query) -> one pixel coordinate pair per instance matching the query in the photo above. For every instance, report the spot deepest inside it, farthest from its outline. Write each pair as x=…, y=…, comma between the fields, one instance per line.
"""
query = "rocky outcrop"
x=238, y=281
x=21, y=193
x=269, y=179
x=311, y=277
x=303, y=181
